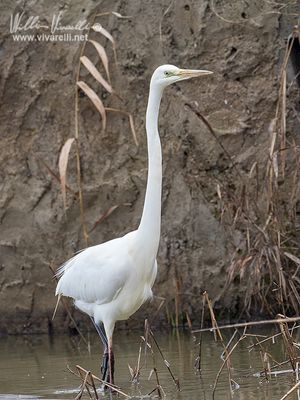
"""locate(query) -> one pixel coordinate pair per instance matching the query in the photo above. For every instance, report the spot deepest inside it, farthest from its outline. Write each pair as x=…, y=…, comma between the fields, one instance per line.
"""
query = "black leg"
x=105, y=359
x=105, y=367
x=101, y=332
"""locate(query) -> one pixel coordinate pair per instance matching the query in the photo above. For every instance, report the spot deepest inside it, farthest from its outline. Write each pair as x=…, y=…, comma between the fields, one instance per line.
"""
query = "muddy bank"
x=242, y=44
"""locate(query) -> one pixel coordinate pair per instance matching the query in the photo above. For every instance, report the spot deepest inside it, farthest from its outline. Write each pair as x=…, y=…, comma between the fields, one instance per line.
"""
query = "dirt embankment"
x=242, y=44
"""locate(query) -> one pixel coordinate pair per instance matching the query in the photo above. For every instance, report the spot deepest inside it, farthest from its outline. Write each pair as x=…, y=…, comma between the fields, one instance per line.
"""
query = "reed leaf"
x=103, y=56
x=95, y=100
x=62, y=165
x=99, y=28
x=118, y=15
x=95, y=73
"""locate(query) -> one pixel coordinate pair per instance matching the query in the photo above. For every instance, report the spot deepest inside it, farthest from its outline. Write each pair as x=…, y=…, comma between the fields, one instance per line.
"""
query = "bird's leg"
x=105, y=359
x=104, y=366
x=111, y=359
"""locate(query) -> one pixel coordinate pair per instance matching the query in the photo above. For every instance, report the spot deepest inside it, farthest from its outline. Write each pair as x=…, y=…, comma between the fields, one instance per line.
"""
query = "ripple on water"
x=37, y=367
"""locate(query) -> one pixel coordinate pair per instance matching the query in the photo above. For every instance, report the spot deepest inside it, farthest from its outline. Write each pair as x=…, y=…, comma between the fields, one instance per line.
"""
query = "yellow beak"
x=192, y=73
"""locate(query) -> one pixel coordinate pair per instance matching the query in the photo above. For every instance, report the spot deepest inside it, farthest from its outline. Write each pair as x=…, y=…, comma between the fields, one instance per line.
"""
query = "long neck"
x=149, y=228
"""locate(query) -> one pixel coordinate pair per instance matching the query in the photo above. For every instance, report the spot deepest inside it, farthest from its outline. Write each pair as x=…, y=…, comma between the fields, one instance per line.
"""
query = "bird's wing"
x=97, y=274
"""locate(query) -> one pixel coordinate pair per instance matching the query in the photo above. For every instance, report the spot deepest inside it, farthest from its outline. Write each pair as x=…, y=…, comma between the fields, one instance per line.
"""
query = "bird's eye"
x=167, y=73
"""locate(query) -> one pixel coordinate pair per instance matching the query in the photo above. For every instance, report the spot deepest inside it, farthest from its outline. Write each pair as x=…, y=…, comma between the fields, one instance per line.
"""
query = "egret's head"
x=167, y=74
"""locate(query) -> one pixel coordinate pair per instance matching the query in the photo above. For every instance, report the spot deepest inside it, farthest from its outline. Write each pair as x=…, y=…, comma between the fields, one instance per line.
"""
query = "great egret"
x=110, y=281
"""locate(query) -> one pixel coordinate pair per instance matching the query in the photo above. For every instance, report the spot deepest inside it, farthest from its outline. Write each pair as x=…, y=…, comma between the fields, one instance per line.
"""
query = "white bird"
x=110, y=281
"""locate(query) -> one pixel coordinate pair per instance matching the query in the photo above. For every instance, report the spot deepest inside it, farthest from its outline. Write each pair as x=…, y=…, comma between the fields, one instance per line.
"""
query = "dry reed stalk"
x=81, y=371
x=93, y=384
x=158, y=385
x=136, y=371
x=280, y=115
x=225, y=351
x=297, y=379
x=273, y=367
x=256, y=204
x=149, y=345
x=146, y=336
x=271, y=338
x=83, y=385
x=256, y=335
x=227, y=361
x=214, y=323
x=216, y=330
x=155, y=314
x=295, y=387
x=167, y=364
x=198, y=359
x=266, y=364
x=265, y=356
x=228, y=354
x=289, y=346
x=177, y=301
x=80, y=194
x=244, y=324
x=97, y=102
x=289, y=343
x=189, y=322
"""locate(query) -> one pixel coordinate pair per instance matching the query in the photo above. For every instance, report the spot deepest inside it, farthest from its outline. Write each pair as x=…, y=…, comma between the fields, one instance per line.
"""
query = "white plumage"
x=100, y=278
x=110, y=281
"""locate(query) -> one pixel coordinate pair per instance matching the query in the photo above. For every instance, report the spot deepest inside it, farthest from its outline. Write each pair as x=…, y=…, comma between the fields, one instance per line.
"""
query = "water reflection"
x=36, y=366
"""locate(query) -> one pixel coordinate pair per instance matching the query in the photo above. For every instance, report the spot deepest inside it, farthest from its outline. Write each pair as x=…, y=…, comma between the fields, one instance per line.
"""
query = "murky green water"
x=36, y=366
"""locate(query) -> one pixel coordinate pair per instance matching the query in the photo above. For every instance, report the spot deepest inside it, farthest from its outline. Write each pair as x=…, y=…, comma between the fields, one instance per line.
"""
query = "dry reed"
x=106, y=85
x=257, y=204
x=88, y=381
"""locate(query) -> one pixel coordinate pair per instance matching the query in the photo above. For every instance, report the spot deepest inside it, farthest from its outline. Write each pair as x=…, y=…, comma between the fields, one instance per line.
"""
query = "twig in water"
x=94, y=377
x=253, y=323
x=225, y=362
x=198, y=359
x=215, y=325
x=260, y=373
x=83, y=385
x=291, y=391
x=189, y=322
x=158, y=387
x=270, y=338
x=266, y=364
x=135, y=372
x=223, y=355
x=167, y=364
x=289, y=343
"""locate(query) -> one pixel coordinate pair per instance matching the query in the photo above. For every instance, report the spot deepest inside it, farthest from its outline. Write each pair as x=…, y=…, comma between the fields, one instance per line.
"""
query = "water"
x=36, y=366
